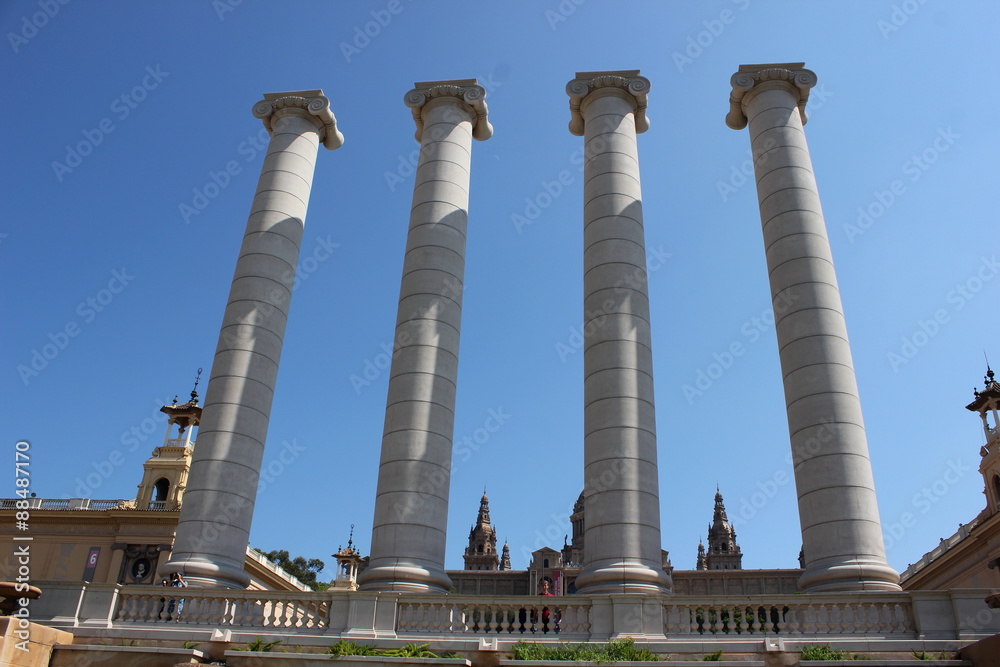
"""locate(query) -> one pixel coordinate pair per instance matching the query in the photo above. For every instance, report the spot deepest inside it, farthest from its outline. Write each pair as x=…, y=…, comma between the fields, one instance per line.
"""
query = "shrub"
x=822, y=652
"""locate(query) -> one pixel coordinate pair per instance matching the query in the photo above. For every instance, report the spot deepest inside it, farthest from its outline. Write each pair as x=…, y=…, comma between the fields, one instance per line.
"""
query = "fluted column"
x=621, y=488
x=841, y=532
x=411, y=504
x=214, y=526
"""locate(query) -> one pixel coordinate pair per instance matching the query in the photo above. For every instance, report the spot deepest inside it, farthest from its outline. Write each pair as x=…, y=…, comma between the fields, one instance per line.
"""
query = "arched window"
x=545, y=563
x=160, y=489
x=996, y=487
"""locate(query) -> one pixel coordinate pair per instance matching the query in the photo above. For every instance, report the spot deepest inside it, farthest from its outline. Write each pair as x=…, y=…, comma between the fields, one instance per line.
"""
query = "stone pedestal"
x=841, y=532
x=214, y=526
x=411, y=504
x=621, y=488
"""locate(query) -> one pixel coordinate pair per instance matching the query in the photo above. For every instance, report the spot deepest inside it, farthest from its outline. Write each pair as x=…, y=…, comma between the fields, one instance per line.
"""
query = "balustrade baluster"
x=744, y=624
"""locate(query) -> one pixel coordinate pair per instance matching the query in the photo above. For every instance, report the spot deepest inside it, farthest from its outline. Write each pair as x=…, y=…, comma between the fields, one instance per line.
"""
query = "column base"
x=842, y=576
x=391, y=575
x=201, y=573
x=632, y=577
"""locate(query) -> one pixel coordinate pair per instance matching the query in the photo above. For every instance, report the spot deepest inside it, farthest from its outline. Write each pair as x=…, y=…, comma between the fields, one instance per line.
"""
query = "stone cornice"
x=310, y=103
x=627, y=81
x=467, y=93
x=794, y=75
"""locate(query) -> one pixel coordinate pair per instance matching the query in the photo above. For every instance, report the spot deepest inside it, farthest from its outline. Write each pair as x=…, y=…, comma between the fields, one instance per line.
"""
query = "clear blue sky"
x=905, y=94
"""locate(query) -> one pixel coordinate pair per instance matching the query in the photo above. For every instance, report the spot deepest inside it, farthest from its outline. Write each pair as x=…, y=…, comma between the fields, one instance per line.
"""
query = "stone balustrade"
x=884, y=616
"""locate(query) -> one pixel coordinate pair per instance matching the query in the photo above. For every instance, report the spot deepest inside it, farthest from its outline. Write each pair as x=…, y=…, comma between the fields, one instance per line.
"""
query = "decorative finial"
x=350, y=538
x=175, y=399
x=194, y=392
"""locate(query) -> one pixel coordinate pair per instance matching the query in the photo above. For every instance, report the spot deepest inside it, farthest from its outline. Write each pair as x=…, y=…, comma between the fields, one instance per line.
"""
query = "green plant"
x=344, y=647
x=714, y=656
x=923, y=655
x=191, y=644
x=822, y=652
x=258, y=645
x=614, y=651
x=412, y=650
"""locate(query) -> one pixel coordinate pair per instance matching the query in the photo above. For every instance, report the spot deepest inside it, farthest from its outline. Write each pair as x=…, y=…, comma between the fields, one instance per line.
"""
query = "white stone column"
x=621, y=488
x=411, y=504
x=214, y=526
x=841, y=532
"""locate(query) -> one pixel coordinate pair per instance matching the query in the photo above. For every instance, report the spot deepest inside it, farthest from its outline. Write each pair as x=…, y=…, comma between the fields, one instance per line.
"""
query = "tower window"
x=160, y=489
x=545, y=563
x=996, y=487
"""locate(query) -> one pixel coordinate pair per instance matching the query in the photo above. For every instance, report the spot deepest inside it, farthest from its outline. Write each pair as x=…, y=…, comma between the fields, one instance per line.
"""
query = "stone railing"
x=242, y=609
x=60, y=503
x=518, y=615
x=913, y=615
x=812, y=616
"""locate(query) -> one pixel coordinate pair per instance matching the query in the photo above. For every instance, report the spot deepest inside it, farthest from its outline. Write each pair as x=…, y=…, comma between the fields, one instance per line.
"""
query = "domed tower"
x=165, y=473
x=987, y=404
x=481, y=554
x=723, y=551
x=505, y=558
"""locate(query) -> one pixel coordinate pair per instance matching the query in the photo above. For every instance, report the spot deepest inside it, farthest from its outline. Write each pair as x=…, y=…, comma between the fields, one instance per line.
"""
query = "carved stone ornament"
x=798, y=79
x=586, y=83
x=311, y=103
x=467, y=93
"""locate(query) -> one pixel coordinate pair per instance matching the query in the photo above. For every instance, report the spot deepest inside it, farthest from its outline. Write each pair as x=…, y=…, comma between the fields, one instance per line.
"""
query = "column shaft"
x=411, y=504
x=841, y=532
x=214, y=525
x=621, y=488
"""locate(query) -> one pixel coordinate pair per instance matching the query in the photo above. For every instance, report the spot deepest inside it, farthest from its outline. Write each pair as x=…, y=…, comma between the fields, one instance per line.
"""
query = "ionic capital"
x=311, y=104
x=627, y=83
x=792, y=76
x=466, y=94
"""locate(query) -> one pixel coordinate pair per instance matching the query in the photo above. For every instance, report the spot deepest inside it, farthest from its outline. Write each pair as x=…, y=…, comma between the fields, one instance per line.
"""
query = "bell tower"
x=987, y=404
x=723, y=551
x=165, y=473
x=481, y=554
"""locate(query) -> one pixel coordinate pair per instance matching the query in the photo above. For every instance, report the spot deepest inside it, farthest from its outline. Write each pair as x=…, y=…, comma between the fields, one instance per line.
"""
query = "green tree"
x=304, y=570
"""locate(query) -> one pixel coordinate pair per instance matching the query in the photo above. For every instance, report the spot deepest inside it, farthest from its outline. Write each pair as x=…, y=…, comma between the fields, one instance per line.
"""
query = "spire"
x=723, y=551
x=484, y=510
x=700, y=563
x=481, y=554
x=194, y=391
x=505, y=557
